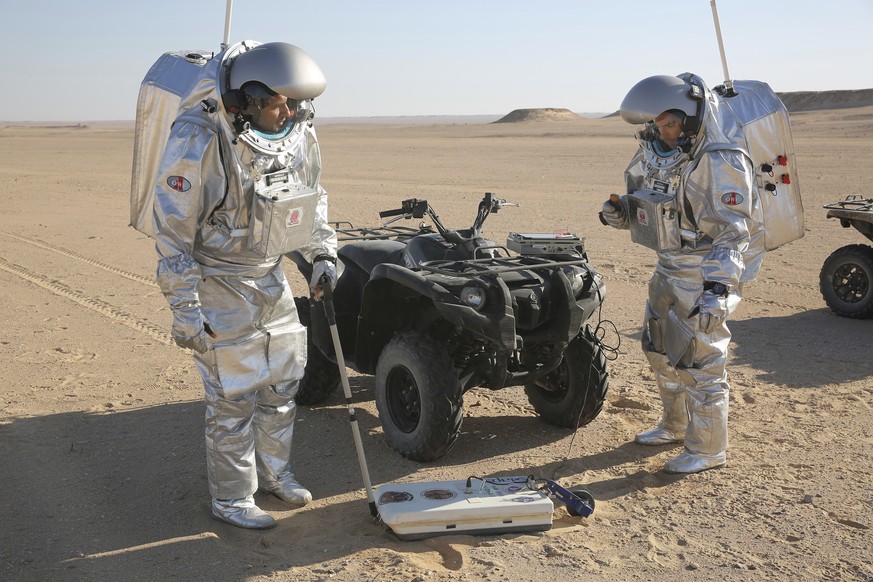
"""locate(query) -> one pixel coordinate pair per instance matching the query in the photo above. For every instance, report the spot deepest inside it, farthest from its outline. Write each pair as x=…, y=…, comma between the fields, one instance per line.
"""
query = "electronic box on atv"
x=434, y=313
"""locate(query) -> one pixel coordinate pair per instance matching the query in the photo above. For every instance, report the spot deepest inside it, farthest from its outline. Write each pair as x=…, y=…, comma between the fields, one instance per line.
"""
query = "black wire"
x=609, y=352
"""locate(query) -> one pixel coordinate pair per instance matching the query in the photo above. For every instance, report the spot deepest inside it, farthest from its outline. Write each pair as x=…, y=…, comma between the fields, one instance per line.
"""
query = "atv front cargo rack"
x=347, y=232
x=496, y=265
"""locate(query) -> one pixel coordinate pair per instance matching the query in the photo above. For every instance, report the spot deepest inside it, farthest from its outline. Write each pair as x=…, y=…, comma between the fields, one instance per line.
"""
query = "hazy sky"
x=84, y=60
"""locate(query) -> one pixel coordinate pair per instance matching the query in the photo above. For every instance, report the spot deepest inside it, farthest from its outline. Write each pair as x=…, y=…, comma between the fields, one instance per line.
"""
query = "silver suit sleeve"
x=719, y=193
x=189, y=184
x=323, y=240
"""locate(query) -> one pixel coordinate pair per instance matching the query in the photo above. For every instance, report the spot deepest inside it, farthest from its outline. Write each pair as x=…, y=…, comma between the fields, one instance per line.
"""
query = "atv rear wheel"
x=574, y=393
x=846, y=281
x=418, y=396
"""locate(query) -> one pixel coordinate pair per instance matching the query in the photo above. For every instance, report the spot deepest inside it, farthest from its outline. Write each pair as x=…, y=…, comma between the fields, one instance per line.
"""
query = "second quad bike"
x=433, y=312
x=846, y=279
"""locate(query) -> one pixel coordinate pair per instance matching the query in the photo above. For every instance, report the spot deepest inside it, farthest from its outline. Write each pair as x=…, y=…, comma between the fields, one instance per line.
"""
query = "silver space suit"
x=698, y=206
x=234, y=192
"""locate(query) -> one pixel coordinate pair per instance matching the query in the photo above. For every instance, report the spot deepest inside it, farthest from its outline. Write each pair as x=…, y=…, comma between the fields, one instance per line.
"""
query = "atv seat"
x=368, y=254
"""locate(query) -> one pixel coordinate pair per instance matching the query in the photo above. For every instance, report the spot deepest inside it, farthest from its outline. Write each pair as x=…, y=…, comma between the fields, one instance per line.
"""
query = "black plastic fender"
x=397, y=299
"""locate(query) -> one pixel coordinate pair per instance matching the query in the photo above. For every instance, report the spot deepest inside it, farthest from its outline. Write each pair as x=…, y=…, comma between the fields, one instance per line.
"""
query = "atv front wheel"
x=418, y=396
x=846, y=281
x=320, y=379
x=573, y=394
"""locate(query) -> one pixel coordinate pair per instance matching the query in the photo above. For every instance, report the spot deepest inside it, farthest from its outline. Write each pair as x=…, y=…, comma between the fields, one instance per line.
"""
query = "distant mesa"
x=817, y=100
x=537, y=115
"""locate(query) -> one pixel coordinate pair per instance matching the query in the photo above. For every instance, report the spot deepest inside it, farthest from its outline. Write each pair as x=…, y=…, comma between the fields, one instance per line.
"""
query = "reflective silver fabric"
x=686, y=358
x=246, y=436
x=674, y=419
x=242, y=513
x=202, y=208
x=204, y=193
x=720, y=218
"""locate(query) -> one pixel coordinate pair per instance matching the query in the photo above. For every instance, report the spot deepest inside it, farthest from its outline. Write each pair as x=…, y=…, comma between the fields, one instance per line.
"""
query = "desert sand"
x=103, y=469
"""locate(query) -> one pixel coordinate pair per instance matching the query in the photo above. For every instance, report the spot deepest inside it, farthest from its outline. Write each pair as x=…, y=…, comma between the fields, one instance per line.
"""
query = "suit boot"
x=674, y=420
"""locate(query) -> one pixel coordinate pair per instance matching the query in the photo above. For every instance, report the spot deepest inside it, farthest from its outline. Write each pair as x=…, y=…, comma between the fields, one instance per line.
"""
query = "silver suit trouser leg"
x=274, y=430
x=680, y=353
x=706, y=395
x=230, y=444
x=675, y=416
x=250, y=378
x=247, y=437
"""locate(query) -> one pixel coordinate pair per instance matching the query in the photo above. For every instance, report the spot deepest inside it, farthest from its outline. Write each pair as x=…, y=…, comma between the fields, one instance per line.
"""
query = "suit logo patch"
x=178, y=183
x=642, y=217
x=295, y=216
x=732, y=198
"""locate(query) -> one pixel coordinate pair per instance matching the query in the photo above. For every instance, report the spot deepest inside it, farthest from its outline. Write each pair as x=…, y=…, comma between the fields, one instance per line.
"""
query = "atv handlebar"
x=412, y=206
x=395, y=212
x=415, y=208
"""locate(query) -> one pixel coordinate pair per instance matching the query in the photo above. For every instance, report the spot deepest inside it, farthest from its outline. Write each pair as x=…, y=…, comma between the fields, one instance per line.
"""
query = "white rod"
x=729, y=85
x=228, y=12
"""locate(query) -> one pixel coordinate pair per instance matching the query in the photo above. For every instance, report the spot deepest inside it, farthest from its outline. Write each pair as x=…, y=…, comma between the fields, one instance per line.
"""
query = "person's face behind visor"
x=274, y=114
x=669, y=128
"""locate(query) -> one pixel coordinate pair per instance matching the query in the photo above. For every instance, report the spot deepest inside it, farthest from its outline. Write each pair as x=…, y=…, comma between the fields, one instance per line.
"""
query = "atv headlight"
x=577, y=279
x=474, y=297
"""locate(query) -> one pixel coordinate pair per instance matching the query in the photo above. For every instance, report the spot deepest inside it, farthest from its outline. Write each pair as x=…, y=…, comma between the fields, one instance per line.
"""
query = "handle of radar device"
x=578, y=502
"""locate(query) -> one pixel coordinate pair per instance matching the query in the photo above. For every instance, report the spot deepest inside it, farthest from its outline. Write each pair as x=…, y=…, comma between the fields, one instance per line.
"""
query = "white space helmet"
x=283, y=68
x=651, y=97
x=654, y=95
x=254, y=74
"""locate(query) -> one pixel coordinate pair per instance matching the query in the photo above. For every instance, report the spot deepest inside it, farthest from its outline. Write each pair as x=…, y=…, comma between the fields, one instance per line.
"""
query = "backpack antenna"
x=227, y=14
x=728, y=84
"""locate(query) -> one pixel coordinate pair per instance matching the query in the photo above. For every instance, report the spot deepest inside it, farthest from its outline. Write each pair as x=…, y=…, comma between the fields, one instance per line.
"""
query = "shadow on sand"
x=89, y=494
x=775, y=346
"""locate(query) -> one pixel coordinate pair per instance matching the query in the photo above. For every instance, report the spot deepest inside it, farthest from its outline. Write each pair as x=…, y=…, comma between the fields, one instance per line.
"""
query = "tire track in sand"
x=74, y=255
x=113, y=313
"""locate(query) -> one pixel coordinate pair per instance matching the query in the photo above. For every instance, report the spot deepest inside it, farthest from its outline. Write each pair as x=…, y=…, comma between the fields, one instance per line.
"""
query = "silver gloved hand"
x=712, y=309
x=615, y=211
x=320, y=269
x=190, y=329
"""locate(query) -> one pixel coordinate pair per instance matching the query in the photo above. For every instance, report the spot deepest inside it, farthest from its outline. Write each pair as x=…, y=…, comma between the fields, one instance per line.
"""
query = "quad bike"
x=846, y=279
x=434, y=313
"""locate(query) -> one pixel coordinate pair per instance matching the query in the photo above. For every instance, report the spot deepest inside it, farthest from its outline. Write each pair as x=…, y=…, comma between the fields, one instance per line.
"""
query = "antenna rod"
x=227, y=14
x=728, y=84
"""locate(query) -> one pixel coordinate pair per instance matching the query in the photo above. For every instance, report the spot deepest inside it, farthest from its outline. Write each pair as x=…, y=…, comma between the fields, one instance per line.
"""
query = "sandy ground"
x=103, y=472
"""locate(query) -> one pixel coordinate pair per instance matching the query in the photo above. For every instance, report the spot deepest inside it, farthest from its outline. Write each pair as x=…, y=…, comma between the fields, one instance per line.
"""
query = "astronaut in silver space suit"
x=687, y=155
x=237, y=188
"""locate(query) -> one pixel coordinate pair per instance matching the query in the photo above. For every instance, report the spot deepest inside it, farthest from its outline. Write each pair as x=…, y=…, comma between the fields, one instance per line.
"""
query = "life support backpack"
x=173, y=78
x=765, y=135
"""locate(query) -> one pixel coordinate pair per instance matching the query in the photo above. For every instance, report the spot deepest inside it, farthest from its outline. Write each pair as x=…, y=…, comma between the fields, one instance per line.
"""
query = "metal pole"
x=347, y=392
x=728, y=84
x=227, y=14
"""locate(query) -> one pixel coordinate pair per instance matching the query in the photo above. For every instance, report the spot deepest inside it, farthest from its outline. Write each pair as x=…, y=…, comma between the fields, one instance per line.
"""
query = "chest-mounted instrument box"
x=654, y=220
